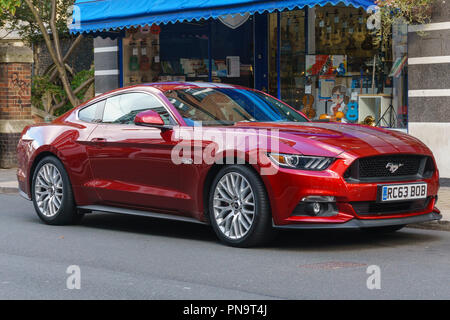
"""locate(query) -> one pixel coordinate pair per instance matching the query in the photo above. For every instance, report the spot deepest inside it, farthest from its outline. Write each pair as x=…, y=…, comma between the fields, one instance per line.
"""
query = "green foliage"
x=10, y=5
x=44, y=91
x=48, y=91
x=403, y=12
x=79, y=79
x=41, y=86
x=15, y=15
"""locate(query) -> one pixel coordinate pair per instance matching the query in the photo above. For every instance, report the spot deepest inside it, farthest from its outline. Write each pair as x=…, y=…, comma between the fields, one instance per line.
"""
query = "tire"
x=229, y=209
x=50, y=187
x=381, y=230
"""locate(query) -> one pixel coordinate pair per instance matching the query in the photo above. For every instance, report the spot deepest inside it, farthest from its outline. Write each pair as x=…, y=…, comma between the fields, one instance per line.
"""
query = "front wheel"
x=239, y=207
x=52, y=193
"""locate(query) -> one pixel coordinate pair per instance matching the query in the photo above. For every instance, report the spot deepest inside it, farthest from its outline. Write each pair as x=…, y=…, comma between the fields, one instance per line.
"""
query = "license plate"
x=396, y=192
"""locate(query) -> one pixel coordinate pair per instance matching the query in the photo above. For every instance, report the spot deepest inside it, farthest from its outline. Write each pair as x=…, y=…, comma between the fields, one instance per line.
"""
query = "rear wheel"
x=387, y=229
x=239, y=208
x=52, y=193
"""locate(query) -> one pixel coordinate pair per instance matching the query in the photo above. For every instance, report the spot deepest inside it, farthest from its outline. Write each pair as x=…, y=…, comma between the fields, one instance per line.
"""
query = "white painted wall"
x=436, y=135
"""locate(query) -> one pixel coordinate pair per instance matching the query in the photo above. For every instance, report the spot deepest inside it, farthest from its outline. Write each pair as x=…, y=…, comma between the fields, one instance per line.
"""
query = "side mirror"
x=150, y=118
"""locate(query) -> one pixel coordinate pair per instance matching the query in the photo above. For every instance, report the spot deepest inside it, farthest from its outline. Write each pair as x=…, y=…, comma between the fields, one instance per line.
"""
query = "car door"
x=132, y=164
x=85, y=120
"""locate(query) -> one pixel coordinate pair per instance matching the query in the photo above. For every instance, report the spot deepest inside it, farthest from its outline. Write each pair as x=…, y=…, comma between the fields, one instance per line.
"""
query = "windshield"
x=225, y=106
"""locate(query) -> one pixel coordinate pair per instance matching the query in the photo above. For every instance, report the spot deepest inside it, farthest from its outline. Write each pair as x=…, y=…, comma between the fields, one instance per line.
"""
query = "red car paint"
x=149, y=116
x=130, y=166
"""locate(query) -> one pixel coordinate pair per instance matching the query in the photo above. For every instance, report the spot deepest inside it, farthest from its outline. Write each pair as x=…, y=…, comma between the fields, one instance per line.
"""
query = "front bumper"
x=288, y=187
x=361, y=224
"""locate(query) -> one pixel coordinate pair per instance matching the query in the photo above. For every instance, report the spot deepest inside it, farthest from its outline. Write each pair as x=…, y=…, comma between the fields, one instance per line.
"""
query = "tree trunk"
x=73, y=46
x=54, y=49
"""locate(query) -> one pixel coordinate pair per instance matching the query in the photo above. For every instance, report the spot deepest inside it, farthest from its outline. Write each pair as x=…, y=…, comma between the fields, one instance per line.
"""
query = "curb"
x=441, y=225
x=8, y=190
x=444, y=182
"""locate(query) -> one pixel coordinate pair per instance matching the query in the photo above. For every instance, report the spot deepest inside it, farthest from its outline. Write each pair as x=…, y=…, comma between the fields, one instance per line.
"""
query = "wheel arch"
x=212, y=173
x=34, y=164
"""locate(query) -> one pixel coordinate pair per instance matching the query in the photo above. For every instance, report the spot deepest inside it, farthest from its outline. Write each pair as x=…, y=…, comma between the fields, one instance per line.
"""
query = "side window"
x=123, y=108
x=88, y=114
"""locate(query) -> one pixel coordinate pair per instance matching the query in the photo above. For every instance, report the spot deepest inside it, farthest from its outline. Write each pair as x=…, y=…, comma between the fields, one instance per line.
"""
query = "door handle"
x=99, y=141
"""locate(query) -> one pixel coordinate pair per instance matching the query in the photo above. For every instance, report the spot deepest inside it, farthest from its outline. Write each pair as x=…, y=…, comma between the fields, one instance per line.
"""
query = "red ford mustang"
x=228, y=156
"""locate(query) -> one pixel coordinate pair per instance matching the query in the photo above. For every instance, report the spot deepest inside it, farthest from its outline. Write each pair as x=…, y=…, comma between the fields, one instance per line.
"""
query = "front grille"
x=390, y=168
x=374, y=208
x=376, y=167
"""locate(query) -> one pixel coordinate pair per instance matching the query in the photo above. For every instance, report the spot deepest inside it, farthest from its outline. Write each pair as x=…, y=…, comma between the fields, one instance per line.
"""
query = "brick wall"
x=15, y=94
x=15, y=99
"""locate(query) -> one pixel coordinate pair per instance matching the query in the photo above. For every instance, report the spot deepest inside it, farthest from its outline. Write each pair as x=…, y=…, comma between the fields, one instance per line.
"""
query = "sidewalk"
x=8, y=181
x=8, y=184
x=443, y=204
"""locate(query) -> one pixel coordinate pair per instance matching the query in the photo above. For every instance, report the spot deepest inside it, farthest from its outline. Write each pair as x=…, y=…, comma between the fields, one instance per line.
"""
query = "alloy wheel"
x=48, y=190
x=234, y=205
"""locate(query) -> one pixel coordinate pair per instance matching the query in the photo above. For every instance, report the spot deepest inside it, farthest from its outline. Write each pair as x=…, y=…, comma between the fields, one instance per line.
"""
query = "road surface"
x=123, y=257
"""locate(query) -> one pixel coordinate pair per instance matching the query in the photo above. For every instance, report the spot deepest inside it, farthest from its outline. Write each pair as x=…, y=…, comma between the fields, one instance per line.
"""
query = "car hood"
x=333, y=139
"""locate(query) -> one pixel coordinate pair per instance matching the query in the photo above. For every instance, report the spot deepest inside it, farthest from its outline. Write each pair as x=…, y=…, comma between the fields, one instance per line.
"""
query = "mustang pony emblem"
x=392, y=167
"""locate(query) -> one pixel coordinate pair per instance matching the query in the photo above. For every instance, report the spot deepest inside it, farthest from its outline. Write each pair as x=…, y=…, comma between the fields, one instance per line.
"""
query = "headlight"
x=301, y=162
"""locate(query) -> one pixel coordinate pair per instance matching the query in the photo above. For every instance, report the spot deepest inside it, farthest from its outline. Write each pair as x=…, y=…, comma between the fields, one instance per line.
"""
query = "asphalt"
x=444, y=182
x=123, y=257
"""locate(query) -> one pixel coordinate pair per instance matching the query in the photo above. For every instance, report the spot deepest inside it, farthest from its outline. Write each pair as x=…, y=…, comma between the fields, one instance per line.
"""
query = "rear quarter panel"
x=63, y=139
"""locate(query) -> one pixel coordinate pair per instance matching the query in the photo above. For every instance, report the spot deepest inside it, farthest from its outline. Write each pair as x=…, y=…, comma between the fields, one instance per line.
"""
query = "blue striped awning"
x=107, y=15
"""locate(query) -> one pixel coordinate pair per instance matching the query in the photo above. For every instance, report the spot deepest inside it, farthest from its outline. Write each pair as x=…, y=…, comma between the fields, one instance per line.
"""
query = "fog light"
x=313, y=208
x=319, y=199
x=316, y=208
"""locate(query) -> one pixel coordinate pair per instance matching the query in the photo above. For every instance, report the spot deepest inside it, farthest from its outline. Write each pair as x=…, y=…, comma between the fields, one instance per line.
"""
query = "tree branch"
x=76, y=91
x=69, y=52
x=54, y=53
x=84, y=85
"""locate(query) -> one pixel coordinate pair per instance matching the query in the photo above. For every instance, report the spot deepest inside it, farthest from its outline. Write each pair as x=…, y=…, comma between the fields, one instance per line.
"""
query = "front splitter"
x=360, y=224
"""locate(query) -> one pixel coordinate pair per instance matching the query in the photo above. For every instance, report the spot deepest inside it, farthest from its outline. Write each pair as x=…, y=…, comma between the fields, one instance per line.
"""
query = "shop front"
x=318, y=56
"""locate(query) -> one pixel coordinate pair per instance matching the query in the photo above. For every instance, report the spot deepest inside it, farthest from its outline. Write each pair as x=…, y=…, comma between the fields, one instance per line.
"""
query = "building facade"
x=318, y=56
x=429, y=84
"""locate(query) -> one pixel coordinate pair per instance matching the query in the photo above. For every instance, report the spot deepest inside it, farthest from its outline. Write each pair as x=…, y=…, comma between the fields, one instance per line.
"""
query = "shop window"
x=182, y=52
x=292, y=57
x=343, y=30
x=349, y=63
x=328, y=61
x=342, y=74
x=174, y=52
x=232, y=53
